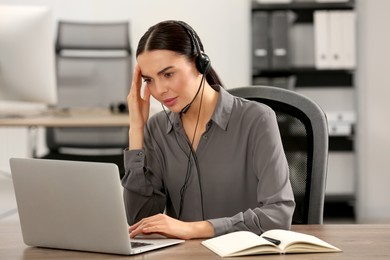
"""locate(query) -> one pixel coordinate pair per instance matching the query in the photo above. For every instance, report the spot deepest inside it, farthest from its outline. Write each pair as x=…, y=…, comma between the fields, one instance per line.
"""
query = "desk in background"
x=356, y=241
x=69, y=118
x=64, y=118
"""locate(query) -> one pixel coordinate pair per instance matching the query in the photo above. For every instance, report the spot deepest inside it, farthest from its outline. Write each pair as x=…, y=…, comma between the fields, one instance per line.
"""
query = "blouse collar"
x=221, y=115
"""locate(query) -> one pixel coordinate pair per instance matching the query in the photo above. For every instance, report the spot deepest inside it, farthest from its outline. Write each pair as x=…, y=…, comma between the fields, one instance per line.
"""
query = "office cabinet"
x=310, y=47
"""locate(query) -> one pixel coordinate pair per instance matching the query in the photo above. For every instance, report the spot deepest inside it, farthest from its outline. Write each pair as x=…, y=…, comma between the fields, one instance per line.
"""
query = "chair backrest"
x=94, y=70
x=304, y=132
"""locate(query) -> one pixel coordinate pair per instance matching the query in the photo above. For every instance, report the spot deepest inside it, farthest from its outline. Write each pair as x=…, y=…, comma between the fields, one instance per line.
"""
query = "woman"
x=214, y=162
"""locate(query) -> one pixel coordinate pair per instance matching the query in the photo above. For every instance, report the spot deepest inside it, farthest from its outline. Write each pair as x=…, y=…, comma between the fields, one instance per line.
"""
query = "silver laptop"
x=76, y=206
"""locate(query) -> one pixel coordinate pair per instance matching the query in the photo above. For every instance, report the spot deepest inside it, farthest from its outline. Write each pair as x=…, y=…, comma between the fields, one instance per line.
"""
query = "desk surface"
x=69, y=118
x=356, y=241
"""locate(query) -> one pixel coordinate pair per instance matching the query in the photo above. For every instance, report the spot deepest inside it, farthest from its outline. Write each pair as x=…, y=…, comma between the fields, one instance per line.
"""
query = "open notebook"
x=275, y=241
x=75, y=205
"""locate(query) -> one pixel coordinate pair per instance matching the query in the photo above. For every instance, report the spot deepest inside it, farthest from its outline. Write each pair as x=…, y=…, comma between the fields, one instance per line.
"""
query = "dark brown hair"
x=173, y=36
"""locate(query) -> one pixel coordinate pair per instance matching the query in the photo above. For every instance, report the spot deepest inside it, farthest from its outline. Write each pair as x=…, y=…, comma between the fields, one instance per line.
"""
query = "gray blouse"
x=237, y=180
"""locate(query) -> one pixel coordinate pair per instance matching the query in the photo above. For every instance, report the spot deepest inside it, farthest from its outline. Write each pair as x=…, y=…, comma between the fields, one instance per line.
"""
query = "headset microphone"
x=202, y=61
x=187, y=107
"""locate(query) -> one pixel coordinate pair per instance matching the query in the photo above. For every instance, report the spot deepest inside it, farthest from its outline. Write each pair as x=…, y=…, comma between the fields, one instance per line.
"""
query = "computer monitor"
x=27, y=56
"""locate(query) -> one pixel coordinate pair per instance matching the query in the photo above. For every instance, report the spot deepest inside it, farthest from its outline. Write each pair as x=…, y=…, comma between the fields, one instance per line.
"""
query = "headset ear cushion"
x=202, y=62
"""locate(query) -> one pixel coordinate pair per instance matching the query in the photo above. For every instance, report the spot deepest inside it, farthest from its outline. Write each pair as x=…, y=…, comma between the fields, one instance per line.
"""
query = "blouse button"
x=140, y=154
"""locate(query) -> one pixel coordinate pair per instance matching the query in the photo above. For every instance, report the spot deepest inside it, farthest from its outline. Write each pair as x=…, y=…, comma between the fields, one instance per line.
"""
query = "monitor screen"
x=27, y=56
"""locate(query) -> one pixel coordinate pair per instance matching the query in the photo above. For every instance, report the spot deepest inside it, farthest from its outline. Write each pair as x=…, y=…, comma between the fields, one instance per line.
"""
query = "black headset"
x=202, y=61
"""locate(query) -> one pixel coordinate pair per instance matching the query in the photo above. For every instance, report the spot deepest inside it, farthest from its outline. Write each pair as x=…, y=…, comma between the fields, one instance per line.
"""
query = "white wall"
x=223, y=26
x=374, y=106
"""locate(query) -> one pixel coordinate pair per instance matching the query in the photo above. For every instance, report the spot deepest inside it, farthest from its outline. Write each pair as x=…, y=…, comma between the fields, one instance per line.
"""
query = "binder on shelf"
x=335, y=39
x=321, y=39
x=280, y=27
x=260, y=40
x=302, y=45
x=341, y=123
x=335, y=24
x=346, y=117
x=339, y=129
x=348, y=41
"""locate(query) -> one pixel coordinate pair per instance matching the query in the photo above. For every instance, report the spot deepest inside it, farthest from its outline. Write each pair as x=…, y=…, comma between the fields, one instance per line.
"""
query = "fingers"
x=136, y=82
x=164, y=225
x=147, y=94
x=144, y=222
x=136, y=86
x=137, y=76
x=153, y=224
x=142, y=228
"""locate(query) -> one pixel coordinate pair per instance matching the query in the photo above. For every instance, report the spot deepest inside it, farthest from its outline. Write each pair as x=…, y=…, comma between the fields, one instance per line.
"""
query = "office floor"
x=333, y=212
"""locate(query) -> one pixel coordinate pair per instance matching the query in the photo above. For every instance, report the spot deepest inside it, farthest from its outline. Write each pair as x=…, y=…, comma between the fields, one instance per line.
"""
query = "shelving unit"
x=303, y=5
x=299, y=70
x=309, y=77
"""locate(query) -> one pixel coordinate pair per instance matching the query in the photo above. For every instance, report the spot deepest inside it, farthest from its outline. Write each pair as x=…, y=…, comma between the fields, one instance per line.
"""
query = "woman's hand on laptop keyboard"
x=171, y=227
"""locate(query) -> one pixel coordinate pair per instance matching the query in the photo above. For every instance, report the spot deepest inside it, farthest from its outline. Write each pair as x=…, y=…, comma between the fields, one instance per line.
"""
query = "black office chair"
x=94, y=70
x=304, y=132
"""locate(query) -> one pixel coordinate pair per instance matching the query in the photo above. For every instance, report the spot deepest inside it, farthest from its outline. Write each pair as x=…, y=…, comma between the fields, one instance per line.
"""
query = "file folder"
x=336, y=37
x=280, y=28
x=260, y=39
x=321, y=40
x=348, y=42
x=302, y=45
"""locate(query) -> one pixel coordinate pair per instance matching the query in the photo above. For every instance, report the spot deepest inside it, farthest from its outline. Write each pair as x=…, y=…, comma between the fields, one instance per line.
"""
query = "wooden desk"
x=357, y=242
x=91, y=117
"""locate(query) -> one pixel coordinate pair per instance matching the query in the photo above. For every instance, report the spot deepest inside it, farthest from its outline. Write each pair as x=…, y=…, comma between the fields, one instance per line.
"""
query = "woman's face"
x=171, y=78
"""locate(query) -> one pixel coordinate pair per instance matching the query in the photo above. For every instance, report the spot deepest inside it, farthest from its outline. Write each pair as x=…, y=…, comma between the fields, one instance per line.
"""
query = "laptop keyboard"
x=139, y=244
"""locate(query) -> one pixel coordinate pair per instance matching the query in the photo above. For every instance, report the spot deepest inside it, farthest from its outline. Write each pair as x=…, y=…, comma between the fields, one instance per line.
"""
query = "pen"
x=272, y=240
